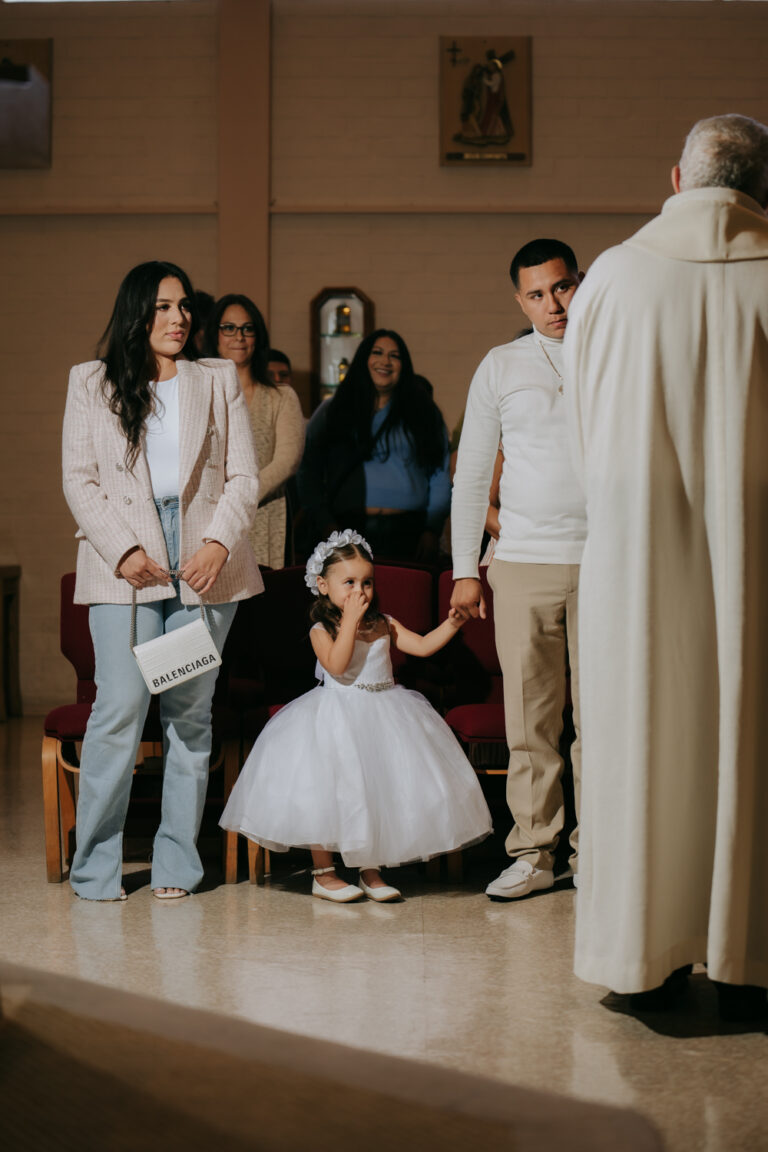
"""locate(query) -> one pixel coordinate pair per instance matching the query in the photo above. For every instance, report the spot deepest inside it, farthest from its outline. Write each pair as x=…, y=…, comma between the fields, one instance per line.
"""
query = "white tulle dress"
x=359, y=766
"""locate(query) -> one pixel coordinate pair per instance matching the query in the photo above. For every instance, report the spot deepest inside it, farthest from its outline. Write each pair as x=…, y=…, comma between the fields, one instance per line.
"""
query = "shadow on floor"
x=695, y=1014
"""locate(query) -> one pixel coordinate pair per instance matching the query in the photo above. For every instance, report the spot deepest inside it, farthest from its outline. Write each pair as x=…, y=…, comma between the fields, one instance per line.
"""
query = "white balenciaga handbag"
x=175, y=656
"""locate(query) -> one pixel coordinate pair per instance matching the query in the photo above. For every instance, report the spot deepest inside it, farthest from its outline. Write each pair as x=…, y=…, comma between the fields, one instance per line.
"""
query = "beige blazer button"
x=119, y=467
x=126, y=500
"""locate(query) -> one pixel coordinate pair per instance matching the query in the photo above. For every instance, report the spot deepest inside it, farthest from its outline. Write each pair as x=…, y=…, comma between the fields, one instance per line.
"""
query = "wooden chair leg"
x=67, y=808
x=455, y=866
x=231, y=765
x=231, y=772
x=51, y=810
x=230, y=857
x=258, y=862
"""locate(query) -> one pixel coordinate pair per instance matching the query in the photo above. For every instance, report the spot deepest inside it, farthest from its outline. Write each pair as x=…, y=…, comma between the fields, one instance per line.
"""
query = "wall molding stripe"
x=206, y=209
x=212, y=209
x=509, y=209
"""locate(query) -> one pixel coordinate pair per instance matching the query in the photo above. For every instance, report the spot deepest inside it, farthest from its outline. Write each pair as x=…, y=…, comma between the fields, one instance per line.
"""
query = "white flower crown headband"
x=317, y=560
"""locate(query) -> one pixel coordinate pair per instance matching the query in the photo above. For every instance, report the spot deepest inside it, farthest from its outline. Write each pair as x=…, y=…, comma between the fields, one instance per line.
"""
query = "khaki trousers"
x=535, y=611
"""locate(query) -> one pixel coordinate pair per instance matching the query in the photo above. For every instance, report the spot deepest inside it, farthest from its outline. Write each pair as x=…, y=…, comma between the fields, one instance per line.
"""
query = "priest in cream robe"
x=666, y=380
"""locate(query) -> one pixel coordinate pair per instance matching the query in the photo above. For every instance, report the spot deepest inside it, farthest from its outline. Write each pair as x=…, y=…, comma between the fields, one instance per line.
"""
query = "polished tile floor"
x=447, y=976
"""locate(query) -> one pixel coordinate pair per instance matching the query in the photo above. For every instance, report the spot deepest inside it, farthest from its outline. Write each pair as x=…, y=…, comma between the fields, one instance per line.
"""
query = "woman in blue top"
x=376, y=456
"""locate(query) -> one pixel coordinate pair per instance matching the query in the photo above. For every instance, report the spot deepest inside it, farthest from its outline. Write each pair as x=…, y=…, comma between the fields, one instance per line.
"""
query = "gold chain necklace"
x=552, y=366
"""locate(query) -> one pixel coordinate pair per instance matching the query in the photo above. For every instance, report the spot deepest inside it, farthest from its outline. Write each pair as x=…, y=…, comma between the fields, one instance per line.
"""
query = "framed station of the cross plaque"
x=485, y=100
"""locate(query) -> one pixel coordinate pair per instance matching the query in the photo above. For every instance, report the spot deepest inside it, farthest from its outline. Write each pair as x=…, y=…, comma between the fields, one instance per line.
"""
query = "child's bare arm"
x=414, y=645
x=492, y=525
x=335, y=653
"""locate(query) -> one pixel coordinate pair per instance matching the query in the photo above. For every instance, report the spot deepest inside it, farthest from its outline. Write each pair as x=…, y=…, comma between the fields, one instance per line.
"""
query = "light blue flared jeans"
x=114, y=733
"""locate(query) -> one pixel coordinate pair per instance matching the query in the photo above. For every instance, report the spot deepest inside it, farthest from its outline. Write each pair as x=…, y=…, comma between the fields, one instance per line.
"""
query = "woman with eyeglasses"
x=160, y=475
x=377, y=456
x=236, y=331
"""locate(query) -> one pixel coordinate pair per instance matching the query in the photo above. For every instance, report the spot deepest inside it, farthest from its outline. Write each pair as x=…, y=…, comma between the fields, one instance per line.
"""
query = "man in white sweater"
x=516, y=398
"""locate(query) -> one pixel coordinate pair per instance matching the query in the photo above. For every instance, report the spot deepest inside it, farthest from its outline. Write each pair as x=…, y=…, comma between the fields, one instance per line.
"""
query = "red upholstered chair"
x=282, y=661
x=272, y=660
x=271, y=663
x=476, y=712
x=64, y=728
x=408, y=595
x=473, y=699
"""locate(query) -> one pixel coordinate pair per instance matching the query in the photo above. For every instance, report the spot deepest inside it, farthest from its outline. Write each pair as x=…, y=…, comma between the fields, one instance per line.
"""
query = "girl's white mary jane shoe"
x=382, y=893
x=338, y=895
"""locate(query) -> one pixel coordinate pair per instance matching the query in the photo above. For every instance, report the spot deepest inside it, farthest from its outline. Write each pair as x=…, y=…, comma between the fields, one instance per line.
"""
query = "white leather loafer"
x=520, y=879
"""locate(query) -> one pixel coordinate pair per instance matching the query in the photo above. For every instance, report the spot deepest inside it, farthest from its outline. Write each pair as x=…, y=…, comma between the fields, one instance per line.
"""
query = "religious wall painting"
x=25, y=103
x=485, y=100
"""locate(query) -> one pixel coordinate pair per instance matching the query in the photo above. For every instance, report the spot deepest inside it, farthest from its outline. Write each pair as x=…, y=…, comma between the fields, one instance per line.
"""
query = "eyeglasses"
x=233, y=329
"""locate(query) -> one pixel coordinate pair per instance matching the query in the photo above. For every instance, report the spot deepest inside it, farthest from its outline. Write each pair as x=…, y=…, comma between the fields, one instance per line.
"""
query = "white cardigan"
x=114, y=507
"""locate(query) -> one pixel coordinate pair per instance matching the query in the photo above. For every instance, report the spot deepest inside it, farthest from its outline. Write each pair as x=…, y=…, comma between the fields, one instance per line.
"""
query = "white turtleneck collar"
x=549, y=342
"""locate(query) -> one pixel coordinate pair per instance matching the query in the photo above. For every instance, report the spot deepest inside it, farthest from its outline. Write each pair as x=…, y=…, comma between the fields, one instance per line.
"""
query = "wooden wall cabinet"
x=339, y=319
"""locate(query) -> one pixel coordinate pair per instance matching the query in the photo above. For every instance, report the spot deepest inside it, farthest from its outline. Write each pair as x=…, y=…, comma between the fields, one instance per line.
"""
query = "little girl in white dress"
x=360, y=765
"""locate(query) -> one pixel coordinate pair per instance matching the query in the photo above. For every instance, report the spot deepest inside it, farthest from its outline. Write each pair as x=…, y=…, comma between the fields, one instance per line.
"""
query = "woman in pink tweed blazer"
x=160, y=474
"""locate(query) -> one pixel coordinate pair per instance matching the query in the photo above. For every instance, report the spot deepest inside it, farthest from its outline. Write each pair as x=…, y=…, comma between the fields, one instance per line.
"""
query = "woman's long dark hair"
x=323, y=610
x=260, y=358
x=128, y=359
x=352, y=408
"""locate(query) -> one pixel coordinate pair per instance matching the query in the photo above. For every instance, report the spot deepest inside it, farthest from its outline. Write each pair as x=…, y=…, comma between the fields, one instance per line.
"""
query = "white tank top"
x=162, y=438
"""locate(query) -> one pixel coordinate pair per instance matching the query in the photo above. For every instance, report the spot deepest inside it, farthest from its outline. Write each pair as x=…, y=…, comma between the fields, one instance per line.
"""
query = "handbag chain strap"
x=133, y=613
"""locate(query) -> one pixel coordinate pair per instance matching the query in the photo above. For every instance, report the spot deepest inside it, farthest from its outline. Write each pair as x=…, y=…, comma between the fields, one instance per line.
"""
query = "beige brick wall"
x=616, y=85
x=441, y=281
x=134, y=115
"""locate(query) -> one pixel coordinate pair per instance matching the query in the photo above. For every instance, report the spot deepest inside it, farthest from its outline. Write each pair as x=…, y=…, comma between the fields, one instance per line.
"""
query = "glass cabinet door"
x=340, y=318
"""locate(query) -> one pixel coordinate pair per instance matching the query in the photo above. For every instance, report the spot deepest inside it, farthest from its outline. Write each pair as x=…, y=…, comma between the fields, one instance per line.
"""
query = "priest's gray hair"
x=727, y=152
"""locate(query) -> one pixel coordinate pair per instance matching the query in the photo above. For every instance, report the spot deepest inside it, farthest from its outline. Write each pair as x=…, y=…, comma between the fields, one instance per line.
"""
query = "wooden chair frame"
x=59, y=800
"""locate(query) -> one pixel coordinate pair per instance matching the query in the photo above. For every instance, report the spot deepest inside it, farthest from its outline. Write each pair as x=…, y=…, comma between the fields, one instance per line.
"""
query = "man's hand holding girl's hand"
x=468, y=598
